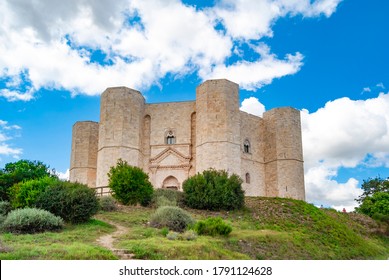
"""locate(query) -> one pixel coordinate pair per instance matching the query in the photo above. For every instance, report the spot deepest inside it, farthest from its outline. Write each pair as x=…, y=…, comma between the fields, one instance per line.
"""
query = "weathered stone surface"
x=172, y=141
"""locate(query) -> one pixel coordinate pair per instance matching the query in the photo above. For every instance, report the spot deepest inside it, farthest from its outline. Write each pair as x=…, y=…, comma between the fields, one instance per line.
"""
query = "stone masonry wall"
x=121, y=118
x=218, y=126
x=83, y=162
x=208, y=133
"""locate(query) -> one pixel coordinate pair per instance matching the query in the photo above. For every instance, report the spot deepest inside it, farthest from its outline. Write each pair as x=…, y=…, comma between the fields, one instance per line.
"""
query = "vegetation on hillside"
x=267, y=228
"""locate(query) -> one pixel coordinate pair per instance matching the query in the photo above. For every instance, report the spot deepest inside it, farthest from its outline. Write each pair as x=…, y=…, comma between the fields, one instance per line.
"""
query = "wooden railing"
x=102, y=191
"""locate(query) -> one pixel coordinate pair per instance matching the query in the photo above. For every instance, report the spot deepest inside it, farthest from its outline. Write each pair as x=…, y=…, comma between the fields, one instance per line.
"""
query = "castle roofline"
x=123, y=89
x=77, y=122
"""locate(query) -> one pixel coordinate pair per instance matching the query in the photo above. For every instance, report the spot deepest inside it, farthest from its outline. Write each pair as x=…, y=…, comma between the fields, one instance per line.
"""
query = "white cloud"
x=5, y=148
x=50, y=44
x=252, y=19
x=344, y=133
x=366, y=89
x=63, y=175
x=254, y=75
x=252, y=106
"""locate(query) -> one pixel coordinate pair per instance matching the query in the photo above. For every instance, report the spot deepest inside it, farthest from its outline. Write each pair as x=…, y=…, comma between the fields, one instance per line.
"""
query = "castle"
x=173, y=141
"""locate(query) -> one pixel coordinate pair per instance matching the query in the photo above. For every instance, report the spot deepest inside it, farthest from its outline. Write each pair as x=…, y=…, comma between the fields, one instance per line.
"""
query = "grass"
x=75, y=242
x=267, y=228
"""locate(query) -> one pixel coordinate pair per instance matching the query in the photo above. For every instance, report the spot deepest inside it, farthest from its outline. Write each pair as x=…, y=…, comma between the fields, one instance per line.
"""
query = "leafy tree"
x=372, y=186
x=129, y=184
x=214, y=190
x=22, y=170
x=374, y=201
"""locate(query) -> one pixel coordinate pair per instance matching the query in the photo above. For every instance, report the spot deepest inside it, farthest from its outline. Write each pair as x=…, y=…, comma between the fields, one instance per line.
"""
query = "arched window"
x=170, y=138
x=246, y=146
x=248, y=178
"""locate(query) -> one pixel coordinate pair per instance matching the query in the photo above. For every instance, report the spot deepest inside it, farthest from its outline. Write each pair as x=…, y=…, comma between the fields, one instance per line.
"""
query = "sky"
x=327, y=58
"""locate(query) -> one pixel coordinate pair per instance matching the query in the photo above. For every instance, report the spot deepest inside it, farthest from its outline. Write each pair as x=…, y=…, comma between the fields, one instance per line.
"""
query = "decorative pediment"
x=170, y=158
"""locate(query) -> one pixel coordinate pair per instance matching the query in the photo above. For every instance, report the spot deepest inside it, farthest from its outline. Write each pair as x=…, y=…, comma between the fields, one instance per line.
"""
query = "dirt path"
x=107, y=241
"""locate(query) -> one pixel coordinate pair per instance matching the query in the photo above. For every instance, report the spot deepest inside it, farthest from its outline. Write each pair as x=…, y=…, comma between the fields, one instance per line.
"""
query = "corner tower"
x=121, y=116
x=217, y=126
x=283, y=154
x=83, y=161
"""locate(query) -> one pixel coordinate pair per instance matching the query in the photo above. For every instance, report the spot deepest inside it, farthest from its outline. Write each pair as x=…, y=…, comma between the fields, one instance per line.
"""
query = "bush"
x=129, y=184
x=172, y=217
x=74, y=202
x=172, y=235
x=31, y=220
x=376, y=205
x=24, y=194
x=107, y=203
x=176, y=198
x=214, y=190
x=5, y=208
x=189, y=235
x=164, y=201
x=212, y=227
x=164, y=231
x=22, y=170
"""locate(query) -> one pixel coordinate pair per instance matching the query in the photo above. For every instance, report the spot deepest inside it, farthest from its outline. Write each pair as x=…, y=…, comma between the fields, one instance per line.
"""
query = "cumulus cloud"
x=6, y=132
x=344, y=133
x=63, y=175
x=252, y=106
x=254, y=75
x=51, y=44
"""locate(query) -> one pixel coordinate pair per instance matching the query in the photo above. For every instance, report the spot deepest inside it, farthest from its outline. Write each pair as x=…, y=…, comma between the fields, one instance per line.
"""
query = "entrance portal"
x=171, y=183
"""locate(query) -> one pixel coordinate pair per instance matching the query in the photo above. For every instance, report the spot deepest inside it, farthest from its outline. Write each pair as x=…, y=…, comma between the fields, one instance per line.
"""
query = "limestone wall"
x=283, y=153
x=218, y=126
x=208, y=133
x=253, y=162
x=169, y=159
x=121, y=120
x=83, y=162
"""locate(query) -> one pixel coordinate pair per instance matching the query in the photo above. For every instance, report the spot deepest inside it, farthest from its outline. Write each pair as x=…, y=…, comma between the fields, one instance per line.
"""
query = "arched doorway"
x=171, y=183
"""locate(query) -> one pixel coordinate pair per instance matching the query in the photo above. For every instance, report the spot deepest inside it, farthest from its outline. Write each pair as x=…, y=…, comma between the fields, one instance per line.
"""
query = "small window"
x=246, y=147
x=248, y=178
x=170, y=138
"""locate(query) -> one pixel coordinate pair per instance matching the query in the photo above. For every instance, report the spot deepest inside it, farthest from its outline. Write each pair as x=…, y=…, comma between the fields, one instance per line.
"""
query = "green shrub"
x=74, y=202
x=212, y=227
x=22, y=170
x=189, y=235
x=5, y=208
x=164, y=231
x=214, y=190
x=164, y=201
x=24, y=194
x=107, y=203
x=31, y=220
x=129, y=184
x=172, y=235
x=172, y=217
x=176, y=198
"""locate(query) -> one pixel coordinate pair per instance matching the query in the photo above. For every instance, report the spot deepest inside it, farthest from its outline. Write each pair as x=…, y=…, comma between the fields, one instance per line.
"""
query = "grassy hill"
x=267, y=228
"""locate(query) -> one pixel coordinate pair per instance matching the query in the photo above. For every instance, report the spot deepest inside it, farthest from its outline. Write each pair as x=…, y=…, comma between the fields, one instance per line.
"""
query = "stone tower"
x=121, y=116
x=283, y=153
x=175, y=140
x=218, y=126
x=83, y=162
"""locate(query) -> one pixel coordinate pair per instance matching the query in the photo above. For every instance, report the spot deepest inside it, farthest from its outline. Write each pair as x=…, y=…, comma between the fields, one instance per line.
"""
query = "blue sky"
x=327, y=58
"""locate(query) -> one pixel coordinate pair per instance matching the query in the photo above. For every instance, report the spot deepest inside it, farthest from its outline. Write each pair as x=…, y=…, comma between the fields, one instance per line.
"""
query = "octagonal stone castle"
x=173, y=141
